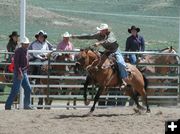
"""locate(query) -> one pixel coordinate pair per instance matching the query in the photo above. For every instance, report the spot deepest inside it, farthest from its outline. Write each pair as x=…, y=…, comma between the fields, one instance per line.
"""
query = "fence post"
x=22, y=35
x=179, y=80
x=179, y=61
x=48, y=90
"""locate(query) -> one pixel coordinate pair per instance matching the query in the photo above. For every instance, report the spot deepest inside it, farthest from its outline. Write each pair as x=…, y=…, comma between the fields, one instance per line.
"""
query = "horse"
x=57, y=70
x=167, y=57
x=101, y=72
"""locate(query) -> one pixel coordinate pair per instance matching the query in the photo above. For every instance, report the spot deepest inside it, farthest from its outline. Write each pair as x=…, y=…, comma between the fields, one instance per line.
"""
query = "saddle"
x=113, y=64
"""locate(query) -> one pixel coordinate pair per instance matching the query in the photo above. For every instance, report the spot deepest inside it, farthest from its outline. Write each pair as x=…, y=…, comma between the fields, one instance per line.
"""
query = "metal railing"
x=48, y=76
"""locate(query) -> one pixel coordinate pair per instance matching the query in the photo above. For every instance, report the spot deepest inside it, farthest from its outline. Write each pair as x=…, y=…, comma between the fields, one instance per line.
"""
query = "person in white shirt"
x=42, y=44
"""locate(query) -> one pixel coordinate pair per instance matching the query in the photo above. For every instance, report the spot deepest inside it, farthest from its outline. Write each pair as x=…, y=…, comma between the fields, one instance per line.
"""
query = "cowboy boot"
x=124, y=82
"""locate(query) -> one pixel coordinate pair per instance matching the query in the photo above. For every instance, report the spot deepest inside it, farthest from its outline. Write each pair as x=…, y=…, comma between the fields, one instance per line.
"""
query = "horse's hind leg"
x=74, y=103
x=146, y=103
x=144, y=96
x=68, y=104
x=68, y=101
x=135, y=97
x=87, y=82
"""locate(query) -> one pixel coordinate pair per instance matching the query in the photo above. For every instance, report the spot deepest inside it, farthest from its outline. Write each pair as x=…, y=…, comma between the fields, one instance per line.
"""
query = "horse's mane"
x=166, y=49
x=88, y=48
x=92, y=49
x=163, y=49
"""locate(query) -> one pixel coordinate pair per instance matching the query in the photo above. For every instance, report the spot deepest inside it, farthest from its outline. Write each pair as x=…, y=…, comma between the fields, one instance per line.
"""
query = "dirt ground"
x=119, y=120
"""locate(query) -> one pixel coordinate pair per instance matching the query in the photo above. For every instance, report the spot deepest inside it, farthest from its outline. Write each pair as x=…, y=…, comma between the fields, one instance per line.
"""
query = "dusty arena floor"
x=121, y=120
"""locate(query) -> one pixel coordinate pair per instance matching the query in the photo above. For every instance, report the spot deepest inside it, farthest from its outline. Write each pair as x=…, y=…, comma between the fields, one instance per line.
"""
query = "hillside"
x=82, y=16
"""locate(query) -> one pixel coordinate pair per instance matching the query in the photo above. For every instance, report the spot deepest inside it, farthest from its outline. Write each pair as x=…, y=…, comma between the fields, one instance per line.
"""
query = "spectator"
x=20, y=75
x=134, y=43
x=12, y=44
x=42, y=44
x=65, y=44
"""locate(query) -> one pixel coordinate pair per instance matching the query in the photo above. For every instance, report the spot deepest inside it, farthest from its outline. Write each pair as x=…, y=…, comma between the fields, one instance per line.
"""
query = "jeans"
x=15, y=89
x=132, y=58
x=121, y=64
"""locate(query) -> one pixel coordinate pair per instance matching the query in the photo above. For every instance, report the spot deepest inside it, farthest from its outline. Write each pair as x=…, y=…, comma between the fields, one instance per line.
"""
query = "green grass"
x=6, y=89
x=82, y=16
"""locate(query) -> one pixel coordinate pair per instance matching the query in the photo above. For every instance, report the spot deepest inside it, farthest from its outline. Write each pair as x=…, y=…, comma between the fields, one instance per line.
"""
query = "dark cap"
x=133, y=28
x=14, y=33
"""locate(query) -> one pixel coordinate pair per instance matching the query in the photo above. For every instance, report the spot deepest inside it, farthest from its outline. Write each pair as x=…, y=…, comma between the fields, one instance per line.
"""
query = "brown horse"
x=165, y=59
x=166, y=56
x=102, y=74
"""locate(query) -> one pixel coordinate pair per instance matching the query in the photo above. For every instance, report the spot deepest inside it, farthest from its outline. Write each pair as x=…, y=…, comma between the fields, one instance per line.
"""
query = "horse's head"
x=167, y=56
x=55, y=57
x=86, y=57
x=170, y=58
x=58, y=56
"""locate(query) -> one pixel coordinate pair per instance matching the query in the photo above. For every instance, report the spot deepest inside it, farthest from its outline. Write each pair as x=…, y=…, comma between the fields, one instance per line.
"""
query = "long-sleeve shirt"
x=11, y=46
x=108, y=41
x=36, y=45
x=135, y=43
x=21, y=62
x=65, y=46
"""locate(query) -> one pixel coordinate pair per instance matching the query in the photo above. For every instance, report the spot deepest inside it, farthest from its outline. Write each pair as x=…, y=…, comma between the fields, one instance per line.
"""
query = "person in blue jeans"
x=134, y=43
x=20, y=77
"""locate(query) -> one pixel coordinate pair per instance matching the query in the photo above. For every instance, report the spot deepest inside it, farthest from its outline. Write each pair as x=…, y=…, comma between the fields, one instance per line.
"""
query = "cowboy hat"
x=103, y=26
x=14, y=33
x=41, y=32
x=66, y=34
x=133, y=28
x=24, y=40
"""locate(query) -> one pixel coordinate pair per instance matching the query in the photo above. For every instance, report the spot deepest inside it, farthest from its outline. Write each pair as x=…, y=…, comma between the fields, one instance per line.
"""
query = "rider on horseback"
x=107, y=39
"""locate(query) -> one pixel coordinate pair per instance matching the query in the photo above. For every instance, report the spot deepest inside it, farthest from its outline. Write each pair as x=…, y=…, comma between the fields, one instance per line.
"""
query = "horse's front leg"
x=40, y=102
x=48, y=102
x=87, y=82
x=99, y=92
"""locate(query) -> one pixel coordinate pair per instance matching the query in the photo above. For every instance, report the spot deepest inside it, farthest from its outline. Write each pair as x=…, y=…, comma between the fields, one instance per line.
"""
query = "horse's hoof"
x=141, y=108
x=136, y=110
x=148, y=111
x=87, y=102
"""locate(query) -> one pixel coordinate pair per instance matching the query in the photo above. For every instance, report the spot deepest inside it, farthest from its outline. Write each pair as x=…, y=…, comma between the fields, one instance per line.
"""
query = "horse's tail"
x=146, y=82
